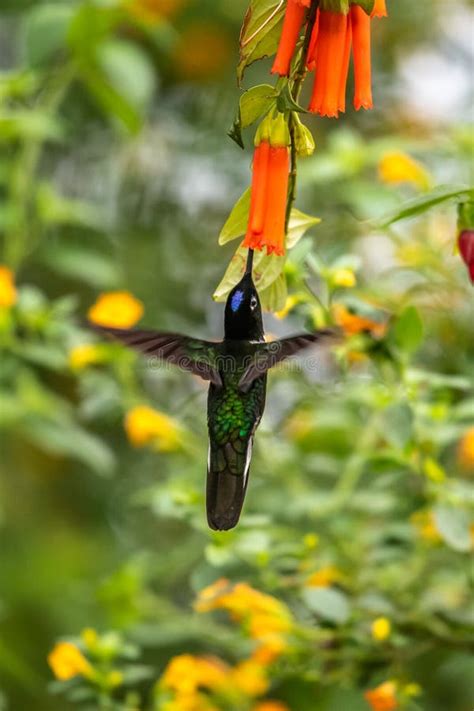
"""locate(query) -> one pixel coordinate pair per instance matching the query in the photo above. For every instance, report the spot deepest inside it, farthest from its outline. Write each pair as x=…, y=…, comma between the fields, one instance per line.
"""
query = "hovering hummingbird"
x=237, y=370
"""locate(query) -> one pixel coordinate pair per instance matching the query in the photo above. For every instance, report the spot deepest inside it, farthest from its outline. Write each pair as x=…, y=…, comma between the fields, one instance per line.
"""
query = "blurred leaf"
x=260, y=32
x=453, y=526
x=408, y=330
x=129, y=72
x=419, y=205
x=64, y=438
x=327, y=603
x=273, y=298
x=35, y=124
x=83, y=264
x=45, y=31
x=398, y=419
x=53, y=209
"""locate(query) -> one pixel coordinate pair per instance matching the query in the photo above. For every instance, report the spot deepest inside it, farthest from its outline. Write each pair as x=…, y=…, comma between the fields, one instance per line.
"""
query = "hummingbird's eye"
x=253, y=303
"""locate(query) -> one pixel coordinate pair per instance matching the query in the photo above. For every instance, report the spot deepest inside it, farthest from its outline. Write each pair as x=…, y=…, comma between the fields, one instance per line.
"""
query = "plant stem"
x=298, y=80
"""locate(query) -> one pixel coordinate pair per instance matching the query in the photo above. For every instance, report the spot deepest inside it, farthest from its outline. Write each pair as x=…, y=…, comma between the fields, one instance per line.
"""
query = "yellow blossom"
x=291, y=301
x=67, y=661
x=425, y=524
x=324, y=577
x=241, y=600
x=8, y=292
x=381, y=629
x=144, y=426
x=311, y=540
x=114, y=679
x=343, y=277
x=272, y=648
x=250, y=678
x=84, y=355
x=411, y=690
x=271, y=705
x=299, y=425
x=434, y=471
x=383, y=697
x=185, y=674
x=90, y=637
x=398, y=167
x=465, y=453
x=116, y=309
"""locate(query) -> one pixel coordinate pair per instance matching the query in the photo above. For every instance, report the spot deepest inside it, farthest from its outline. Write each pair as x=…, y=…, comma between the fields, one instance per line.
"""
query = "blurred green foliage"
x=115, y=173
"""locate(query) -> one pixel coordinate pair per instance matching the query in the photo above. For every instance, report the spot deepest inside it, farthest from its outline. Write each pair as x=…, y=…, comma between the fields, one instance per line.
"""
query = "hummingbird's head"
x=243, y=313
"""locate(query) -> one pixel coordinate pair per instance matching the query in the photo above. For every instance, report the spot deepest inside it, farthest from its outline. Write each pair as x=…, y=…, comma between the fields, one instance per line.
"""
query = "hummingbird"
x=236, y=369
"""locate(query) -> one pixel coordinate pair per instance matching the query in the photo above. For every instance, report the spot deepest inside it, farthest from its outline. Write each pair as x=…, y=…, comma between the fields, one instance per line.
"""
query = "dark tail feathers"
x=227, y=478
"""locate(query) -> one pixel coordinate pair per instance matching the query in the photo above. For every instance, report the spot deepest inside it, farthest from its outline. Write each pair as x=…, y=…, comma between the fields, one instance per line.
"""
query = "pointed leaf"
x=419, y=205
x=236, y=224
x=408, y=330
x=260, y=32
x=255, y=102
x=453, y=526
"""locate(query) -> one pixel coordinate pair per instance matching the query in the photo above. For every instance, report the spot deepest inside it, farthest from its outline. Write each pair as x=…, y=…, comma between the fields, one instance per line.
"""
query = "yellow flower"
x=114, y=679
x=8, y=292
x=311, y=540
x=209, y=598
x=185, y=674
x=272, y=648
x=241, y=600
x=324, y=577
x=90, y=637
x=291, y=301
x=271, y=705
x=250, y=678
x=398, y=167
x=465, y=454
x=425, y=524
x=383, y=697
x=67, y=661
x=343, y=277
x=116, y=309
x=434, y=471
x=84, y=355
x=144, y=426
x=381, y=629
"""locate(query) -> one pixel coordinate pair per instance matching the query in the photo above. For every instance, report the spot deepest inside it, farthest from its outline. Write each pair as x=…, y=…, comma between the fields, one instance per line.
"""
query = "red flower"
x=329, y=55
x=466, y=248
x=360, y=23
x=294, y=18
x=266, y=226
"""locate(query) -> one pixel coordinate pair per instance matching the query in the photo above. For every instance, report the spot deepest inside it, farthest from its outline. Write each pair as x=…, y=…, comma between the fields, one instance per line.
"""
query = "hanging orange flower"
x=292, y=24
x=333, y=36
x=271, y=168
x=383, y=697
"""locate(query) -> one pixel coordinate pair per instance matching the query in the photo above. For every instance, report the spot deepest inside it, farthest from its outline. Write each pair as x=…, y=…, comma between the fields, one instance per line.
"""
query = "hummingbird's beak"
x=249, y=267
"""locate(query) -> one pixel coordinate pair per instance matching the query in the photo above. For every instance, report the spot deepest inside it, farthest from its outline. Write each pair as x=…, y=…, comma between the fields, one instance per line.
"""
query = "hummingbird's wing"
x=191, y=354
x=269, y=354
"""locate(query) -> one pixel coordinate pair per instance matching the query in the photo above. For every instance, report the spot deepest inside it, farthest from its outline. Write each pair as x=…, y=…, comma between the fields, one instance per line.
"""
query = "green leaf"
x=453, y=527
x=45, y=31
x=267, y=268
x=285, y=101
x=54, y=209
x=255, y=102
x=83, y=264
x=236, y=223
x=260, y=32
x=408, y=330
x=339, y=6
x=129, y=72
x=398, y=424
x=299, y=224
x=329, y=604
x=419, y=205
x=273, y=298
x=367, y=5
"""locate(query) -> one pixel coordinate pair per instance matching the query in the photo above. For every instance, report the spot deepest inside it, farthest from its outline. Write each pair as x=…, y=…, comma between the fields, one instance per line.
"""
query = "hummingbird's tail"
x=227, y=477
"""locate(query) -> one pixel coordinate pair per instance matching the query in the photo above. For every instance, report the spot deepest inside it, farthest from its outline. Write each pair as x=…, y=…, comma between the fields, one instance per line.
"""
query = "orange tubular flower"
x=294, y=18
x=360, y=22
x=329, y=61
x=266, y=226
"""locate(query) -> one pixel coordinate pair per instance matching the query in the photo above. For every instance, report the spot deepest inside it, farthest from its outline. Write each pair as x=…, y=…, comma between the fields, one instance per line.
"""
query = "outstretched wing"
x=191, y=354
x=269, y=354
